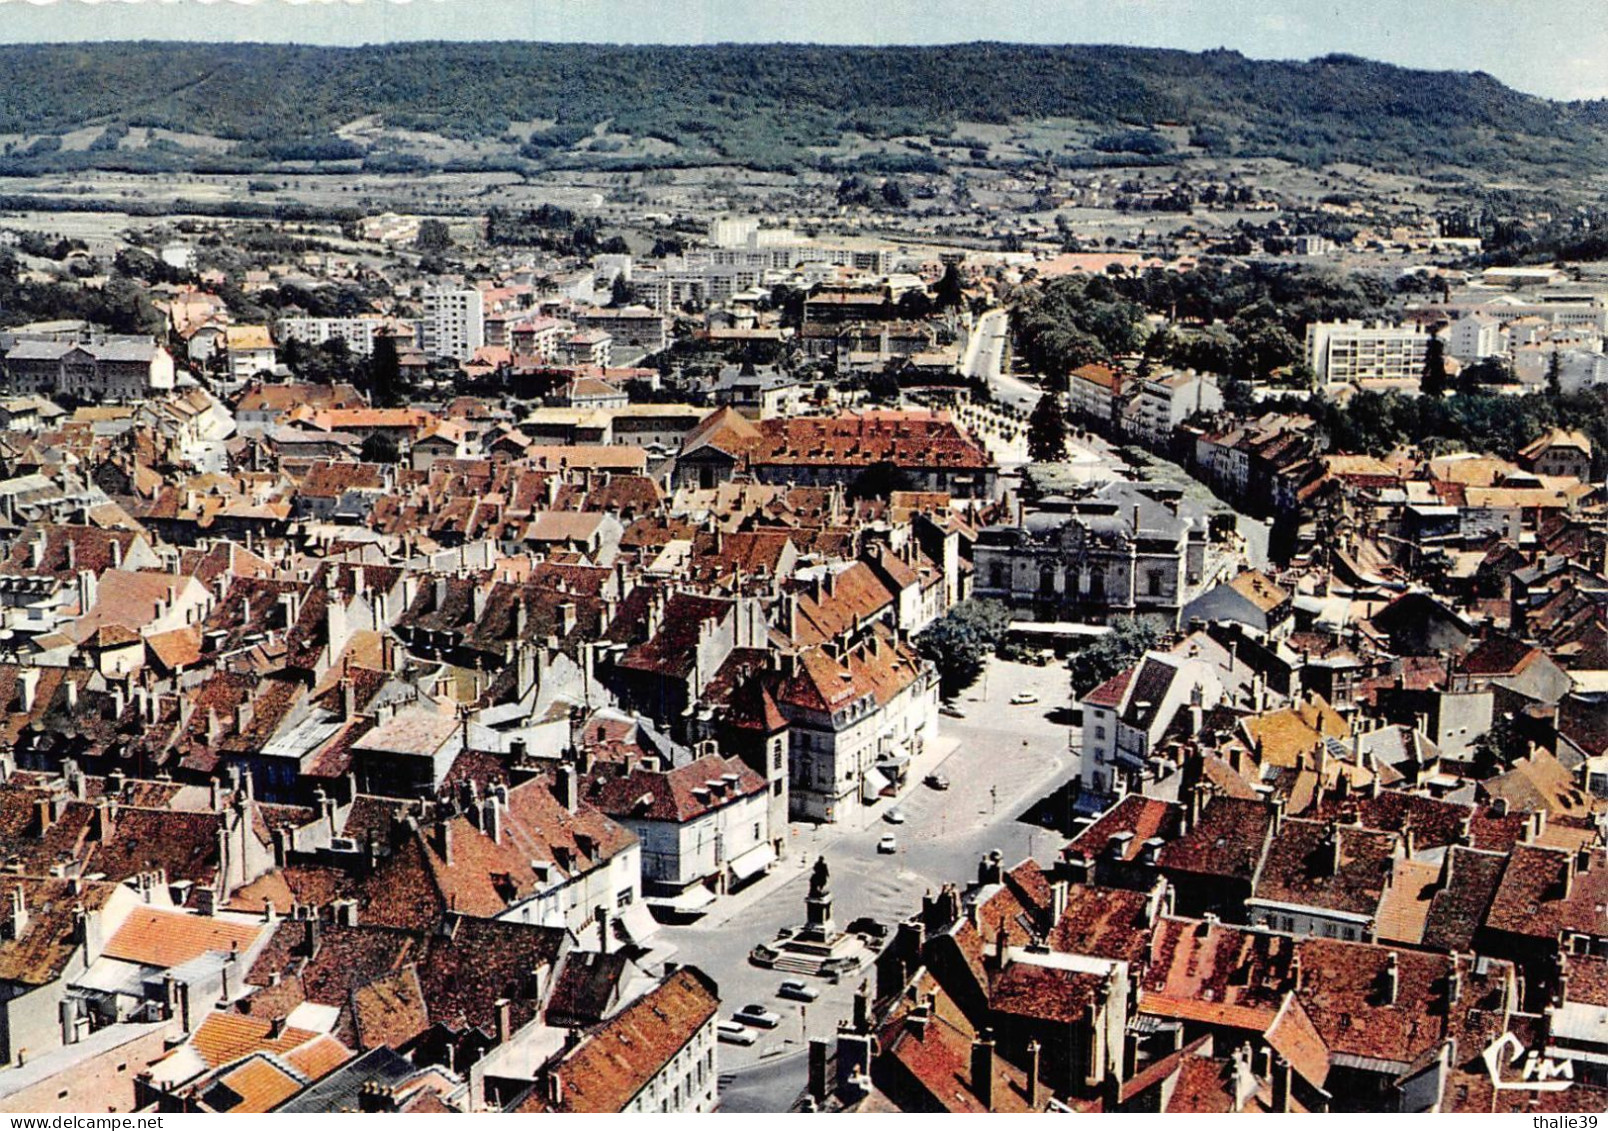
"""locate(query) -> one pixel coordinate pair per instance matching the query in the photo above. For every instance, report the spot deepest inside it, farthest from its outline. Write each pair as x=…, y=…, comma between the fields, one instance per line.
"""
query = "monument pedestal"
x=818, y=925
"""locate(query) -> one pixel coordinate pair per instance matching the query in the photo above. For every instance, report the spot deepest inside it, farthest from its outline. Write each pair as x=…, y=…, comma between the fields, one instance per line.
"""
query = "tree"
x=1114, y=652
x=380, y=447
x=621, y=293
x=947, y=294
x=433, y=236
x=959, y=642
x=1046, y=431
x=1555, y=375
x=1433, y=382
x=1486, y=371
x=1237, y=397
x=385, y=372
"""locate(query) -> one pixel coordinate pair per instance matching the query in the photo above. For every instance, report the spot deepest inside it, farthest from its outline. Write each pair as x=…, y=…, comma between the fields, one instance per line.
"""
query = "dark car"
x=865, y=925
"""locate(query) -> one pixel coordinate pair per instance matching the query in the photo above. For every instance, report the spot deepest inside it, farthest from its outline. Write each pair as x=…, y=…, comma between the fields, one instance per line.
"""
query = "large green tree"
x=959, y=642
x=1433, y=382
x=1107, y=655
x=385, y=372
x=1046, y=431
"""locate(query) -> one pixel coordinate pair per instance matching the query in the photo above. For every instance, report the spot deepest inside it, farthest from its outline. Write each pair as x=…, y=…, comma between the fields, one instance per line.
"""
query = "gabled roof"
x=155, y=937
x=606, y=1071
x=1227, y=841
x=1327, y=866
x=678, y=795
x=1259, y=589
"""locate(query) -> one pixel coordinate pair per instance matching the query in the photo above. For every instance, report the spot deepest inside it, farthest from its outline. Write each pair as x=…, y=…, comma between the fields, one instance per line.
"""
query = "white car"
x=952, y=711
x=797, y=990
x=888, y=844
x=1023, y=697
x=757, y=1016
x=894, y=816
x=734, y=1034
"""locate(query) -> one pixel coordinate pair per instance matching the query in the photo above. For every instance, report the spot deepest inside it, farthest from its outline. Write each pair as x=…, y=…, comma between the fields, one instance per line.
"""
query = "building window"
x=623, y=899
x=1153, y=583
x=756, y=830
x=1099, y=734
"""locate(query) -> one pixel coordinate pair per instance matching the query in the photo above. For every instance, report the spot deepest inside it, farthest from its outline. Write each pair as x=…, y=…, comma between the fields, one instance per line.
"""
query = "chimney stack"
x=1032, y=1085
x=982, y=1068
x=1392, y=978
x=1281, y=1084
x=443, y=837
x=569, y=787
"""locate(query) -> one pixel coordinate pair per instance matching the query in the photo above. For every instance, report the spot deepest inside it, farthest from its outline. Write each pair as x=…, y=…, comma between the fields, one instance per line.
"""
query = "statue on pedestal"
x=820, y=878
x=818, y=904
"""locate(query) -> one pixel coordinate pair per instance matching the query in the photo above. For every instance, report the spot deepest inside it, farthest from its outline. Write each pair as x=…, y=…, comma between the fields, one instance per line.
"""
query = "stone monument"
x=818, y=925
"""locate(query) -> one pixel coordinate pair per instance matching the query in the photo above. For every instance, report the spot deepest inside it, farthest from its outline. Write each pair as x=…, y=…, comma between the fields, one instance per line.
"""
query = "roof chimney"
x=568, y=788
x=1392, y=978
x=982, y=1068
x=1032, y=1083
x=1281, y=1084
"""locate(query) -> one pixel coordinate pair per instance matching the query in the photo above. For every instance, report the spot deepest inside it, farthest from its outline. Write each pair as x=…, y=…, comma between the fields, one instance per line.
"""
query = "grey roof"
x=339, y=1091
x=124, y=348
x=1149, y=688
x=32, y=349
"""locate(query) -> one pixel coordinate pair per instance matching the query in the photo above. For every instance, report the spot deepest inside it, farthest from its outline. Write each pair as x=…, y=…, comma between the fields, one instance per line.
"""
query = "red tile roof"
x=606, y=1071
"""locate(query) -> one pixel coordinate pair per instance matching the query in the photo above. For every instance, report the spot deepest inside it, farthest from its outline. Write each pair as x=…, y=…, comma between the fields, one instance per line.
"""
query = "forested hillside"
x=763, y=106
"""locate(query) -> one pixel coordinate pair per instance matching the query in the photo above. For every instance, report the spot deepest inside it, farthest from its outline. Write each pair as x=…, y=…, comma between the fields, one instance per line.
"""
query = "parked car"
x=795, y=990
x=952, y=711
x=936, y=781
x=1023, y=697
x=888, y=844
x=734, y=1034
x=869, y=927
x=894, y=816
x=757, y=1016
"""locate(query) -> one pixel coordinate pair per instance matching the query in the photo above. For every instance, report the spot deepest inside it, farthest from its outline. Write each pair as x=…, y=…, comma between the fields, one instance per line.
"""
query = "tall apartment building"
x=358, y=332
x=1476, y=336
x=454, y=323
x=1361, y=352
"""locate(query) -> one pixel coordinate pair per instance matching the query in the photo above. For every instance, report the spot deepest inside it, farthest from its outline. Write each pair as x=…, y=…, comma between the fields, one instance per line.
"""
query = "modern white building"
x=1359, y=352
x=454, y=322
x=1475, y=336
